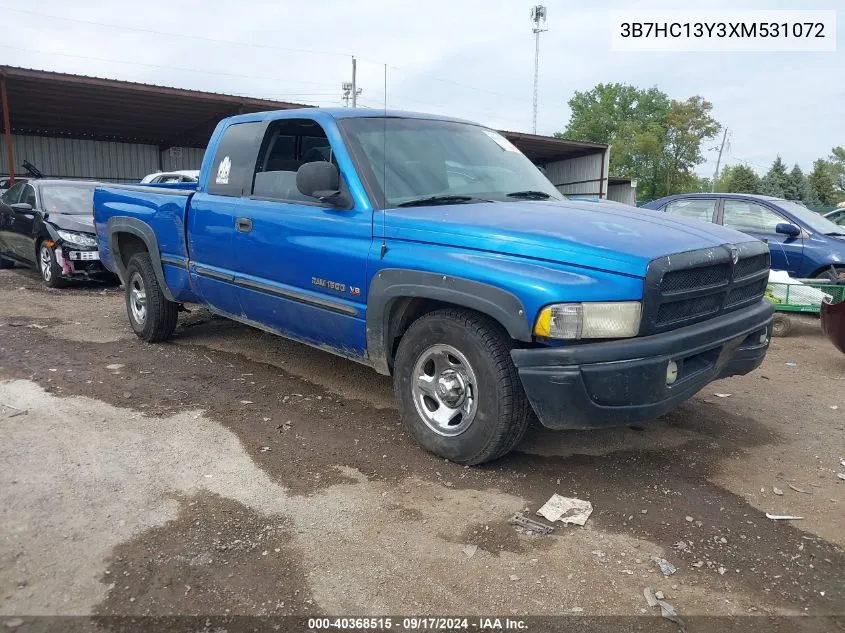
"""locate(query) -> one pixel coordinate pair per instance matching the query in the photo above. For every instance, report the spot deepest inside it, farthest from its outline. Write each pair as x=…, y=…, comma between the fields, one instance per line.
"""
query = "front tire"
x=152, y=316
x=831, y=272
x=51, y=272
x=6, y=263
x=457, y=388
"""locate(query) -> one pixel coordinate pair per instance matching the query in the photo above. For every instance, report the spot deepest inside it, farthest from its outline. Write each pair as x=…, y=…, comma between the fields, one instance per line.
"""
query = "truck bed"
x=154, y=212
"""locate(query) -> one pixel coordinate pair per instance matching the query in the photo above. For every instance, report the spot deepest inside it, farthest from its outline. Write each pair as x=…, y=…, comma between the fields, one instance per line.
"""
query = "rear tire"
x=6, y=263
x=50, y=270
x=457, y=388
x=152, y=316
x=781, y=325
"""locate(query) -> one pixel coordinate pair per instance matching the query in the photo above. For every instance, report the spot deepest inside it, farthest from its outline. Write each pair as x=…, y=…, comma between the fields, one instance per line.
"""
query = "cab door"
x=302, y=263
x=211, y=218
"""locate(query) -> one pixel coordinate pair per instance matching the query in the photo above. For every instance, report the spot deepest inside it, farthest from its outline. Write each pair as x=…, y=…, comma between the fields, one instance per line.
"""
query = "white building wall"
x=581, y=176
x=94, y=160
x=626, y=194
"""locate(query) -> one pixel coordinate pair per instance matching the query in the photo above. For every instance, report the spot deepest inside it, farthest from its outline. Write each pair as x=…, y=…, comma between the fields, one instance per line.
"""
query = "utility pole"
x=354, y=83
x=538, y=19
x=351, y=91
x=718, y=161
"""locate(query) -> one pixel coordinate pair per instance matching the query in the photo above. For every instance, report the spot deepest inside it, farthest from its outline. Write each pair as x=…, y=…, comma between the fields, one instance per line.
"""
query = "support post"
x=7, y=130
x=354, y=83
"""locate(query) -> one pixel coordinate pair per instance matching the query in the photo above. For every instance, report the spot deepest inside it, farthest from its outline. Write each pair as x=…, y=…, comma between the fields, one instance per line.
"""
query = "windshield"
x=431, y=159
x=69, y=199
x=816, y=222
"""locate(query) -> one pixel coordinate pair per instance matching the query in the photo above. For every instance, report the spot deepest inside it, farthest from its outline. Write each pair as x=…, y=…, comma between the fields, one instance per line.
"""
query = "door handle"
x=244, y=225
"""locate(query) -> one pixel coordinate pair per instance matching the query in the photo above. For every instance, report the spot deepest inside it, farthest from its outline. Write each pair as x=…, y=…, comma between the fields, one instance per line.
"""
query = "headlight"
x=619, y=319
x=80, y=239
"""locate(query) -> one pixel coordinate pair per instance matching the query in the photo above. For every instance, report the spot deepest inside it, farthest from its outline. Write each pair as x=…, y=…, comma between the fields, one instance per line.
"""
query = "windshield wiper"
x=836, y=234
x=529, y=195
x=435, y=200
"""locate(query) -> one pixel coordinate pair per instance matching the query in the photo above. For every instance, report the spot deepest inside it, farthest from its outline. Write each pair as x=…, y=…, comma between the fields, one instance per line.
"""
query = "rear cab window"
x=234, y=160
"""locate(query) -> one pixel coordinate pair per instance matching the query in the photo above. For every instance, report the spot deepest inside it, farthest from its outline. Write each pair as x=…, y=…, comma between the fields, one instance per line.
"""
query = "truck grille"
x=689, y=287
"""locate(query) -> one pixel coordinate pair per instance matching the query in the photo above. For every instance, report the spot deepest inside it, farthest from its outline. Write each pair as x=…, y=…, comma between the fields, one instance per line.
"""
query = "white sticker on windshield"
x=223, y=171
x=501, y=141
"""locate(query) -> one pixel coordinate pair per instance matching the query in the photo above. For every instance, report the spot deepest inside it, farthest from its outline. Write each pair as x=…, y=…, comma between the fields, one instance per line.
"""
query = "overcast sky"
x=467, y=58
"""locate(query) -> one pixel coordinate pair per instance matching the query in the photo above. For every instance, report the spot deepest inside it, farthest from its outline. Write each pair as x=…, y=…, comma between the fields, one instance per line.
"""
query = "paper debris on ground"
x=666, y=610
x=470, y=550
x=666, y=567
x=722, y=395
x=777, y=491
x=841, y=475
x=566, y=510
x=791, y=363
x=782, y=517
x=530, y=524
x=114, y=366
x=36, y=326
x=797, y=489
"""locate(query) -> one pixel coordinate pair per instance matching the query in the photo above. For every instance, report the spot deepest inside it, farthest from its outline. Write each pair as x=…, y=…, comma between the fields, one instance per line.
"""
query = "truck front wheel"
x=457, y=388
x=152, y=316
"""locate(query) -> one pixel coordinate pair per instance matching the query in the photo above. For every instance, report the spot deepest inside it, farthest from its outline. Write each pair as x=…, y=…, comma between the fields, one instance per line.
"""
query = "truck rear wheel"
x=457, y=388
x=152, y=316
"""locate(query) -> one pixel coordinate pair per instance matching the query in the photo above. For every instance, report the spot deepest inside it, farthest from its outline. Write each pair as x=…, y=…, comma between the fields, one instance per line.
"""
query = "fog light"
x=764, y=336
x=671, y=372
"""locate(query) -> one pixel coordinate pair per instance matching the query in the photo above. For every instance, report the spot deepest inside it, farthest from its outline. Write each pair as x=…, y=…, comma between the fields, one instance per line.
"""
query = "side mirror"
x=320, y=180
x=23, y=207
x=784, y=228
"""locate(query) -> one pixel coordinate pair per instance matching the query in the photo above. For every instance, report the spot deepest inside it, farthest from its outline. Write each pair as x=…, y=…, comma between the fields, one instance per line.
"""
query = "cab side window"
x=287, y=145
x=696, y=208
x=750, y=217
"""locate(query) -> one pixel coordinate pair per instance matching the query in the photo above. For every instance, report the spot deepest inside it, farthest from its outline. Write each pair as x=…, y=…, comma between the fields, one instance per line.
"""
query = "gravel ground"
x=232, y=472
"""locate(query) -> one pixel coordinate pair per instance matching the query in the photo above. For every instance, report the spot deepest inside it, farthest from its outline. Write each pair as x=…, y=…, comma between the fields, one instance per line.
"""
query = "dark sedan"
x=49, y=225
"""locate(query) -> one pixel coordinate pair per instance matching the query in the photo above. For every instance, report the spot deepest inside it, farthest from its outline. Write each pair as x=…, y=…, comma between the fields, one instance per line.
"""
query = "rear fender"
x=117, y=225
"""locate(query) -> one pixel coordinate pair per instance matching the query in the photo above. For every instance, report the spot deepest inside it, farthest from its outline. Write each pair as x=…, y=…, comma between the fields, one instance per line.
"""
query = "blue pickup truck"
x=432, y=250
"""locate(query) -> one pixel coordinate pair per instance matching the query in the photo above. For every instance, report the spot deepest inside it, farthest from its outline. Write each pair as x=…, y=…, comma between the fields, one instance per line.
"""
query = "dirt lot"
x=232, y=472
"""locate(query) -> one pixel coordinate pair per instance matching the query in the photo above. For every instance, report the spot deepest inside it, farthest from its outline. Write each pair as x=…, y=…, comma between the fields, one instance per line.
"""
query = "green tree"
x=823, y=182
x=688, y=124
x=739, y=179
x=837, y=166
x=775, y=181
x=797, y=187
x=655, y=140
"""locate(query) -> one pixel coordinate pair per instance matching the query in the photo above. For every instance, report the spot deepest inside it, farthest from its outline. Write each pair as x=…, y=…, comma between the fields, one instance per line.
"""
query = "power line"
x=160, y=66
x=183, y=36
x=140, y=29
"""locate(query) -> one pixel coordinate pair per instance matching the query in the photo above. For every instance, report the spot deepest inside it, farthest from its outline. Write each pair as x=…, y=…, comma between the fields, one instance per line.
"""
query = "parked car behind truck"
x=802, y=242
x=433, y=250
x=49, y=225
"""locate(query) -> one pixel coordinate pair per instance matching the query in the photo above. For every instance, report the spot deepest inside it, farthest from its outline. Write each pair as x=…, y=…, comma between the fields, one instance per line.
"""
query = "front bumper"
x=79, y=262
x=616, y=383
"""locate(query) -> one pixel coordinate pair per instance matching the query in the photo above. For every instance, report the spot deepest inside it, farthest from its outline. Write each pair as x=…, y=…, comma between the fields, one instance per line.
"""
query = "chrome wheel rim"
x=138, y=299
x=444, y=389
x=46, y=264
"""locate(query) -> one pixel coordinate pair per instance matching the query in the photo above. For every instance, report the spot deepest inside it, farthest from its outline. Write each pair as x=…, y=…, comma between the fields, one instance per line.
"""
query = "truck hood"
x=608, y=236
x=67, y=222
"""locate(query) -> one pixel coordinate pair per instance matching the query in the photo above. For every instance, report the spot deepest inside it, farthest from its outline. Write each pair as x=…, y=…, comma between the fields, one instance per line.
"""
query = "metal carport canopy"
x=46, y=103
